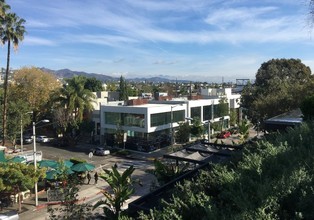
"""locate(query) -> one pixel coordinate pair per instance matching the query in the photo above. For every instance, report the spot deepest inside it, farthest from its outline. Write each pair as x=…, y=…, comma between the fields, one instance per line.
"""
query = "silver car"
x=42, y=139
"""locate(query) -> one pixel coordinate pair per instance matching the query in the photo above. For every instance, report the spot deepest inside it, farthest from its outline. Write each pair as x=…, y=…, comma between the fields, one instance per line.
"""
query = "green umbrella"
x=52, y=175
x=68, y=163
x=48, y=163
x=82, y=167
x=17, y=159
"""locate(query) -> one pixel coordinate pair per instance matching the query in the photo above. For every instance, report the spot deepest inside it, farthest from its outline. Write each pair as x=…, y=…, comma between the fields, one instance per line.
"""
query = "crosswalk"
x=140, y=165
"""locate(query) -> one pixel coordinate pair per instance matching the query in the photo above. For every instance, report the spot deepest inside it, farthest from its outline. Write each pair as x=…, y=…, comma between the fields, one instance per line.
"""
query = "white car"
x=42, y=139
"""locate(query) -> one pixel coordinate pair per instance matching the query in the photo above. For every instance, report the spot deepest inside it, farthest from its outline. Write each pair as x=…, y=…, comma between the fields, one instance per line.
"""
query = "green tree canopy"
x=34, y=86
x=273, y=180
x=307, y=108
x=197, y=129
x=123, y=89
x=183, y=132
x=280, y=86
x=93, y=84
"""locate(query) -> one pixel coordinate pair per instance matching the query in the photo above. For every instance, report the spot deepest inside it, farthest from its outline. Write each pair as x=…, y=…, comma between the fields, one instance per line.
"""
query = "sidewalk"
x=29, y=211
x=87, y=194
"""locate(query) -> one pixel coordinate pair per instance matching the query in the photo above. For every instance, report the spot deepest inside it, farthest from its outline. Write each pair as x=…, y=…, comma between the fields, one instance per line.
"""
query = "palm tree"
x=12, y=30
x=76, y=98
x=4, y=7
x=122, y=188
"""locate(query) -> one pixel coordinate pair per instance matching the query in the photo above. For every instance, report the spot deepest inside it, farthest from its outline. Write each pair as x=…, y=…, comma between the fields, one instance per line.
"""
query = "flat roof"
x=291, y=117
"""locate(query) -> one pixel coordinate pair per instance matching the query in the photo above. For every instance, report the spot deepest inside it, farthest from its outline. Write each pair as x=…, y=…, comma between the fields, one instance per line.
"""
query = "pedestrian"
x=96, y=177
x=88, y=177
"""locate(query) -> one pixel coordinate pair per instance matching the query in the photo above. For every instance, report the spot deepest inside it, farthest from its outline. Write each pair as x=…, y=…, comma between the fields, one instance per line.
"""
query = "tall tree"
x=75, y=98
x=35, y=87
x=71, y=103
x=12, y=30
x=93, y=84
x=280, y=86
x=123, y=96
x=4, y=7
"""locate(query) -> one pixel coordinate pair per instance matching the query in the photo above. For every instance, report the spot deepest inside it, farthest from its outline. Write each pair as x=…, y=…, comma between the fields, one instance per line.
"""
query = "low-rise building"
x=148, y=125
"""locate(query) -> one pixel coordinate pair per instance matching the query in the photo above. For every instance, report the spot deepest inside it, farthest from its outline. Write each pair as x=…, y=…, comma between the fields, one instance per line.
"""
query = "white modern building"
x=150, y=124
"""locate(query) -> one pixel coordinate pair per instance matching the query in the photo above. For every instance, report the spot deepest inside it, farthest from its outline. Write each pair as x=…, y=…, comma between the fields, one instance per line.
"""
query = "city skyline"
x=197, y=40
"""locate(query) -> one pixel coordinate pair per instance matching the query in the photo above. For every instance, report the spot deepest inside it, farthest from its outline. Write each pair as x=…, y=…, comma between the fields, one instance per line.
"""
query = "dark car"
x=26, y=140
x=100, y=151
x=224, y=134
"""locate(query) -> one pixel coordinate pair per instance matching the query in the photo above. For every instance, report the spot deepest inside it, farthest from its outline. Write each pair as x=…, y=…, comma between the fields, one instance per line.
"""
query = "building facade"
x=149, y=125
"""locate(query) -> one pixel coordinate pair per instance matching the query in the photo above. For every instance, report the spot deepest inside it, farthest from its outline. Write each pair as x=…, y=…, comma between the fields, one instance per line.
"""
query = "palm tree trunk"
x=5, y=96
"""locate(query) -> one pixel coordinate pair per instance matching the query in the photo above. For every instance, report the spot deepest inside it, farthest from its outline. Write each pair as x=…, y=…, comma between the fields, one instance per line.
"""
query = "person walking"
x=96, y=177
x=88, y=177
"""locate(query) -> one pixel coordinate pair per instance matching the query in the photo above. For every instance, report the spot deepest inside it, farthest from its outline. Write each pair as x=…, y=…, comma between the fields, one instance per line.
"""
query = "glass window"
x=112, y=118
x=160, y=119
x=178, y=116
x=127, y=119
x=196, y=112
x=165, y=118
x=136, y=120
x=207, y=112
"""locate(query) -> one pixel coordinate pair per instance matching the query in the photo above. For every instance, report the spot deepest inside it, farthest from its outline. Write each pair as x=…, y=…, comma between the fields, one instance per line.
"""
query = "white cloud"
x=37, y=41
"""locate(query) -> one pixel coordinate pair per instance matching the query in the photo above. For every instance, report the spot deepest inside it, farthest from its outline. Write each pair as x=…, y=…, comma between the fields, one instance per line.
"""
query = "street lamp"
x=209, y=131
x=171, y=120
x=22, y=129
x=35, y=156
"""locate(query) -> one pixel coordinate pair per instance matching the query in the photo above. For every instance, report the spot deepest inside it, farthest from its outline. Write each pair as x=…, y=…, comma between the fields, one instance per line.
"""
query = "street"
x=90, y=193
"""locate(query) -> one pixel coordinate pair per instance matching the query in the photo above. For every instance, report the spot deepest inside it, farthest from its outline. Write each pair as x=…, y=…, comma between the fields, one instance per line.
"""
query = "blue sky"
x=201, y=40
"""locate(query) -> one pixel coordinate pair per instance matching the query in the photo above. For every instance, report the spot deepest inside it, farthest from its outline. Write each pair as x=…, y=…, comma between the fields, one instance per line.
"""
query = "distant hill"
x=67, y=73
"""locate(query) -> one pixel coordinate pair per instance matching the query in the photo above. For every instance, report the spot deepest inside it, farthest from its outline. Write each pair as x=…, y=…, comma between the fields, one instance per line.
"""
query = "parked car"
x=224, y=134
x=100, y=151
x=42, y=139
x=27, y=139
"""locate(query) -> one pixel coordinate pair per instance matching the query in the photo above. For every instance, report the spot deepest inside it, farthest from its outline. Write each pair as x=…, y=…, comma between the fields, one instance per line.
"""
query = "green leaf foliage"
x=121, y=186
x=183, y=132
x=273, y=180
x=280, y=86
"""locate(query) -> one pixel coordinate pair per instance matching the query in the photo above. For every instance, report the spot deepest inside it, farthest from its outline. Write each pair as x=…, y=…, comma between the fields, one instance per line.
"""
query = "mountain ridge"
x=67, y=73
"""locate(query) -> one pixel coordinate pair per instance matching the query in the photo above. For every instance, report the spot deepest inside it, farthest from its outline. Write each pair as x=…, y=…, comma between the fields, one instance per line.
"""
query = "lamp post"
x=22, y=129
x=209, y=131
x=35, y=156
x=171, y=120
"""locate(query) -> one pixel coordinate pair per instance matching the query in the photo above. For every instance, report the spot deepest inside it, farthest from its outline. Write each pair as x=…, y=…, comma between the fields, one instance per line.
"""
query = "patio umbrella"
x=17, y=159
x=82, y=167
x=68, y=163
x=52, y=174
x=48, y=163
